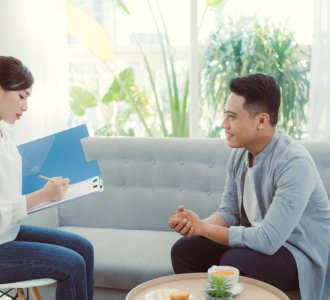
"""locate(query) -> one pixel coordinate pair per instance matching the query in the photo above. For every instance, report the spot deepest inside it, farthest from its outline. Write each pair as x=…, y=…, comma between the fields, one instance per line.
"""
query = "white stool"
x=28, y=284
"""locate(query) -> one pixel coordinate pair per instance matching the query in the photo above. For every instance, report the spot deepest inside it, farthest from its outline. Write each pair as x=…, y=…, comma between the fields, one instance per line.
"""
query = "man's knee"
x=232, y=257
x=184, y=254
x=178, y=249
x=183, y=246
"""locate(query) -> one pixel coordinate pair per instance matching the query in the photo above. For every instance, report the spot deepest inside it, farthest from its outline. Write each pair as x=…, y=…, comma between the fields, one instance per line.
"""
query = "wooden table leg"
x=35, y=293
x=21, y=295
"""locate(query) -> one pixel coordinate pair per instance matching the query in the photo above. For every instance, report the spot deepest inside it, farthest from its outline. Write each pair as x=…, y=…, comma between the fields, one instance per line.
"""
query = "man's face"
x=240, y=127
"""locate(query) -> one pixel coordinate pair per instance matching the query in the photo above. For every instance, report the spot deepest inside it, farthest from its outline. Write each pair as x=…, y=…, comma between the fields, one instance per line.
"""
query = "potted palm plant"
x=218, y=288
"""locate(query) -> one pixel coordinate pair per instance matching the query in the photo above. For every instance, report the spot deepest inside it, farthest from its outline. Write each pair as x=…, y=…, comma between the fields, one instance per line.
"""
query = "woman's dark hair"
x=261, y=92
x=14, y=76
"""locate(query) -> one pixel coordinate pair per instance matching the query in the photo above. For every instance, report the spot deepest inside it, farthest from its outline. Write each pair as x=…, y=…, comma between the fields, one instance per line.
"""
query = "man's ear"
x=263, y=120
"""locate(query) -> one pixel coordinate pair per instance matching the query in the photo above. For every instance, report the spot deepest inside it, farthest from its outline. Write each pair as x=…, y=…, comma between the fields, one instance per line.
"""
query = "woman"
x=30, y=252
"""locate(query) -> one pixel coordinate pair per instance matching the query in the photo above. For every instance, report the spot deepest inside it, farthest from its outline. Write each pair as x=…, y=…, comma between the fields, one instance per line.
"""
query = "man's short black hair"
x=261, y=92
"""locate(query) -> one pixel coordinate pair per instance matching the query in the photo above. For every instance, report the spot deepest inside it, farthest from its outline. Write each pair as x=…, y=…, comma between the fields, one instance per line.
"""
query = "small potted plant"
x=218, y=288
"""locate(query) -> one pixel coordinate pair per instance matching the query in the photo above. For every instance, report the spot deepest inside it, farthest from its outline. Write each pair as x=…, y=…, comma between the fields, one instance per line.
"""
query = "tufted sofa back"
x=320, y=152
x=145, y=179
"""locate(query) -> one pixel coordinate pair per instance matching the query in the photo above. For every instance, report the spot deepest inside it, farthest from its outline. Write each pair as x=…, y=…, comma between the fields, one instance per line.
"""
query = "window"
x=139, y=113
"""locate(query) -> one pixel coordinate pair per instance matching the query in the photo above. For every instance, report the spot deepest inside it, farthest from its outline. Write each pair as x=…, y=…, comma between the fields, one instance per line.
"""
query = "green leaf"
x=213, y=2
x=127, y=76
x=218, y=286
x=130, y=132
x=105, y=130
x=153, y=85
x=80, y=99
x=116, y=92
x=122, y=5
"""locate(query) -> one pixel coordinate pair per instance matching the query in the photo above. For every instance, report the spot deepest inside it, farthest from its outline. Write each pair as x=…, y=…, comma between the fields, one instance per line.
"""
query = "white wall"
x=34, y=31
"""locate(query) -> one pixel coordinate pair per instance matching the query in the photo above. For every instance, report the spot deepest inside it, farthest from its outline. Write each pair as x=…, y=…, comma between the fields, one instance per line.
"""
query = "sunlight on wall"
x=35, y=33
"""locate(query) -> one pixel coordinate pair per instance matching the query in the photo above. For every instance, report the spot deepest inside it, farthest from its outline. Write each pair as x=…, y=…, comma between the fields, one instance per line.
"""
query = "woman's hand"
x=55, y=188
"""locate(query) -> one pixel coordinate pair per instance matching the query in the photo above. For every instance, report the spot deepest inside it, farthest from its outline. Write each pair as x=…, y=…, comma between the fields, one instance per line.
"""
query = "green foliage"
x=80, y=99
x=123, y=92
x=122, y=5
x=218, y=286
x=124, y=89
x=213, y=2
x=177, y=103
x=110, y=130
x=116, y=92
x=246, y=47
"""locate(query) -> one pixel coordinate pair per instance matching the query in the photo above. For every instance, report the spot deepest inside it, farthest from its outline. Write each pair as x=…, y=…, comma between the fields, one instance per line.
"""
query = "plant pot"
x=208, y=297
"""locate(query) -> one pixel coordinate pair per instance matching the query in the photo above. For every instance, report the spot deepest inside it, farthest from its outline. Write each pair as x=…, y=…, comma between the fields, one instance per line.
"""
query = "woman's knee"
x=78, y=244
x=70, y=263
x=86, y=247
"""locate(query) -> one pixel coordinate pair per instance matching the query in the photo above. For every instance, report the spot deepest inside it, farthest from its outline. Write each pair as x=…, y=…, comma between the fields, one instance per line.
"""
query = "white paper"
x=77, y=190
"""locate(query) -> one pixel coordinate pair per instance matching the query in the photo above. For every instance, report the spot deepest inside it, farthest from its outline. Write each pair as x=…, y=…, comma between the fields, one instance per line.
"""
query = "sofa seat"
x=119, y=262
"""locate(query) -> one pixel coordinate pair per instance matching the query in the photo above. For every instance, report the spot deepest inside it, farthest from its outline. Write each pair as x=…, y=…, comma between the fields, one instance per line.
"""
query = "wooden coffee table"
x=194, y=283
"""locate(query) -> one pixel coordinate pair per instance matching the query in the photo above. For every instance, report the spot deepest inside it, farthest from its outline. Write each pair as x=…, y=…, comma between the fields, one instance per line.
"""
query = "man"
x=273, y=222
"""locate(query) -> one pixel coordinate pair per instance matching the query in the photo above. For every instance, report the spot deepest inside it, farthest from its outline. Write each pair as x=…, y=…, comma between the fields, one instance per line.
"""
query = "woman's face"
x=13, y=104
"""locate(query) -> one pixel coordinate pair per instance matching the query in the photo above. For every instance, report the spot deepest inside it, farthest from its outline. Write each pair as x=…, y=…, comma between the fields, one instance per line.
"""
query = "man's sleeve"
x=228, y=208
x=295, y=184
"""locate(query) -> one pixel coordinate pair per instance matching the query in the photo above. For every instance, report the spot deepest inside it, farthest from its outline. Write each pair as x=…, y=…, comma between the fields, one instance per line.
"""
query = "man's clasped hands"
x=186, y=222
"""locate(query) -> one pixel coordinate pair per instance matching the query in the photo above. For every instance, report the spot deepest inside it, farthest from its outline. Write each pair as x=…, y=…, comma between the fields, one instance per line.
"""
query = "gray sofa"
x=145, y=179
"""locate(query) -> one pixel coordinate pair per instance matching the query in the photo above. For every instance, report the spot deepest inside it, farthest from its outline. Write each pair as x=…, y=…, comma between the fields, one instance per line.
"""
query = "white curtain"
x=34, y=31
x=320, y=73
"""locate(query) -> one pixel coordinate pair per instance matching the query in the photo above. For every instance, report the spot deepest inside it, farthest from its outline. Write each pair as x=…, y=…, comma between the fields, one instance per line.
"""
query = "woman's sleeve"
x=12, y=210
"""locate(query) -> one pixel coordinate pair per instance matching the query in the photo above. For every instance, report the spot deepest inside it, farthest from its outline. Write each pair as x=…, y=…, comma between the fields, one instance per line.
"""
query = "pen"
x=44, y=177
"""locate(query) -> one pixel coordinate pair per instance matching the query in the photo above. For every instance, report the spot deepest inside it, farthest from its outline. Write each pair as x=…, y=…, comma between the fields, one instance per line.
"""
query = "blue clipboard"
x=60, y=154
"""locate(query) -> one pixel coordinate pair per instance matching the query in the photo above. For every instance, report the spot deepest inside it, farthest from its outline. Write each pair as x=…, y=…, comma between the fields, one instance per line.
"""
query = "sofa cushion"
x=126, y=258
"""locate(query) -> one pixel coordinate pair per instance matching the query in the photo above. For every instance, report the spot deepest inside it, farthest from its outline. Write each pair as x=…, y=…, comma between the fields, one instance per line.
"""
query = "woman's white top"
x=12, y=203
x=250, y=201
